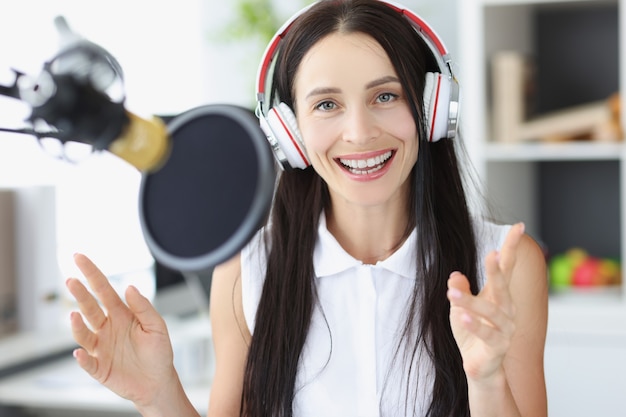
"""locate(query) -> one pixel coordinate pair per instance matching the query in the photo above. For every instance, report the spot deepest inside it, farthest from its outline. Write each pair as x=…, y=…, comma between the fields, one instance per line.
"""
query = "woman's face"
x=355, y=120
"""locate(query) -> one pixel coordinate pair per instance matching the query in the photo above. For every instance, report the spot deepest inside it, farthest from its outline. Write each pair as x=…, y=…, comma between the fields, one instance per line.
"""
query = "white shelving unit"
x=586, y=347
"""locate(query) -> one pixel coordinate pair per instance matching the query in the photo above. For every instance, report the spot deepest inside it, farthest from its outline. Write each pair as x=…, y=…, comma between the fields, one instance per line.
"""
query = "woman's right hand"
x=126, y=347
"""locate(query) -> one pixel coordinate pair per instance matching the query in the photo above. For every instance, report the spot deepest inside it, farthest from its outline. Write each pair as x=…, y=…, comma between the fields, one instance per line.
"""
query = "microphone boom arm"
x=12, y=91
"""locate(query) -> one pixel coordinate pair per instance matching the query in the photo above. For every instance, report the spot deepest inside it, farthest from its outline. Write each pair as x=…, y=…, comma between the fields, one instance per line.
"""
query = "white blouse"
x=347, y=366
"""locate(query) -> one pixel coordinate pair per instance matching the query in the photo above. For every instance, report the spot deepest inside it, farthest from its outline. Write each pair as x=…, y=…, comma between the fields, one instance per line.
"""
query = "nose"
x=360, y=125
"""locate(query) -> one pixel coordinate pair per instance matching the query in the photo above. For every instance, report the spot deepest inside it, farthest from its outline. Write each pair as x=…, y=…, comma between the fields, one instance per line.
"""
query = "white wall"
x=160, y=48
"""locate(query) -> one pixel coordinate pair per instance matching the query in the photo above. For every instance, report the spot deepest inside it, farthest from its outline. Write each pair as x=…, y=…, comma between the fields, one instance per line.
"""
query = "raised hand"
x=125, y=347
x=484, y=325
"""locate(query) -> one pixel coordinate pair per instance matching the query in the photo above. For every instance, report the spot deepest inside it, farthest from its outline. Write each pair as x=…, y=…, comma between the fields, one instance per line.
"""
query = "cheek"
x=317, y=137
x=402, y=127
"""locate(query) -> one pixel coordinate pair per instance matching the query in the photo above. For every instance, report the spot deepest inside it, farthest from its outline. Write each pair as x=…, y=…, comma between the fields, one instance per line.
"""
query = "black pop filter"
x=213, y=192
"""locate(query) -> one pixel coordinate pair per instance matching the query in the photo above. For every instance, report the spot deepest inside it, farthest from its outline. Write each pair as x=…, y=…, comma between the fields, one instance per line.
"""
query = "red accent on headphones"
x=441, y=97
x=435, y=106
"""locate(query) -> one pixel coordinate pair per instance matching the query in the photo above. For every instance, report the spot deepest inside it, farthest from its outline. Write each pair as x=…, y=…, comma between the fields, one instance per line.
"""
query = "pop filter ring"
x=263, y=177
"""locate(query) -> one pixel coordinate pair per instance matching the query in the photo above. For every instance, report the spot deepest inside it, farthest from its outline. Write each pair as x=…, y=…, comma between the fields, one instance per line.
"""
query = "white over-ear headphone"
x=441, y=96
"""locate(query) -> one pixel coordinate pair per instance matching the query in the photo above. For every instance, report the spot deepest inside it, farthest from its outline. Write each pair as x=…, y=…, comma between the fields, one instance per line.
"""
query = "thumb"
x=458, y=286
x=459, y=282
x=147, y=315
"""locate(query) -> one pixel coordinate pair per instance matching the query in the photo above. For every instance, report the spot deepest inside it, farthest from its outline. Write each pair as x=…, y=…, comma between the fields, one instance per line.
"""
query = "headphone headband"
x=440, y=96
x=270, y=52
x=428, y=34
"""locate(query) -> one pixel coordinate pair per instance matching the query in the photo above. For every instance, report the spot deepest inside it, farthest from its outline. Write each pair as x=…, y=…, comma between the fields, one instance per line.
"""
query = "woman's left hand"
x=483, y=325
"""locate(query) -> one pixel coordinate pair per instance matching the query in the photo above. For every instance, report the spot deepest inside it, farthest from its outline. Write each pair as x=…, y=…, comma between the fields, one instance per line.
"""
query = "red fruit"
x=587, y=272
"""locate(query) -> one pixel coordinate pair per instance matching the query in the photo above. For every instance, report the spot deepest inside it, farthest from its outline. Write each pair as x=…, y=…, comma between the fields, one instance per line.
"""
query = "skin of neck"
x=368, y=233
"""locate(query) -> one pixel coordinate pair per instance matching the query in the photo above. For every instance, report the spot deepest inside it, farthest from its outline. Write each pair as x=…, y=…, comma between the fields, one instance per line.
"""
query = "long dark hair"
x=437, y=203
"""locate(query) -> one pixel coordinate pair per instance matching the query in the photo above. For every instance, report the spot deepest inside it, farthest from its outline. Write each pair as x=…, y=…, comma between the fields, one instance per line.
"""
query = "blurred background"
x=542, y=123
x=175, y=56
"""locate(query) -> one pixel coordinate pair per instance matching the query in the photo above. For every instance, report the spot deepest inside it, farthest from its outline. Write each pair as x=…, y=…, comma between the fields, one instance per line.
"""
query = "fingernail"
x=522, y=228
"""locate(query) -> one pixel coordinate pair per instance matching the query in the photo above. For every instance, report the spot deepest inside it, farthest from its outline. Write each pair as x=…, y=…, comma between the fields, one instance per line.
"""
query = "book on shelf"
x=510, y=75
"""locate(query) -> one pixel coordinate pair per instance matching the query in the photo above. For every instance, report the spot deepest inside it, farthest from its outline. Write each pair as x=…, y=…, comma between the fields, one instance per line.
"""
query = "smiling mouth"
x=366, y=166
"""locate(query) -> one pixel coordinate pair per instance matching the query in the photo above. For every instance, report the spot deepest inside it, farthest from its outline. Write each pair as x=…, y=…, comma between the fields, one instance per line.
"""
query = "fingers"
x=499, y=266
x=143, y=310
x=485, y=319
x=87, y=304
x=85, y=356
x=99, y=284
x=114, y=308
x=498, y=281
x=82, y=334
x=509, y=247
x=85, y=361
x=458, y=281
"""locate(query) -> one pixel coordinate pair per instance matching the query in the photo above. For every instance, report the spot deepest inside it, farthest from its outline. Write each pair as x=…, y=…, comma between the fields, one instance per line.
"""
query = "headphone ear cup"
x=284, y=128
x=436, y=105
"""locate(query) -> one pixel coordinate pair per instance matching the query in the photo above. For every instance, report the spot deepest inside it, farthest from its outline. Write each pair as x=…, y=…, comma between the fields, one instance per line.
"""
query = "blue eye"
x=386, y=97
x=326, y=106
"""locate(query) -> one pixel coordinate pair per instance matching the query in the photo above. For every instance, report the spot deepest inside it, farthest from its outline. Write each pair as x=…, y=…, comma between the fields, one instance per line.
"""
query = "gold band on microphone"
x=143, y=143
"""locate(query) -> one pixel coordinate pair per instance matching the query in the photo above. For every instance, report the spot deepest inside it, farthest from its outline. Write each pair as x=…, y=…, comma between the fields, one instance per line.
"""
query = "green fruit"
x=561, y=268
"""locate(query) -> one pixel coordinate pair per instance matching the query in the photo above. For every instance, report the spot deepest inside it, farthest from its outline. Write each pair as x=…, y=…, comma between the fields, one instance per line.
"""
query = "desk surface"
x=60, y=384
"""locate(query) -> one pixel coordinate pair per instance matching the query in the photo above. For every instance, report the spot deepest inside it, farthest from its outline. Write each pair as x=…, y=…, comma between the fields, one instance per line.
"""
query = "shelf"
x=566, y=151
x=587, y=296
x=595, y=318
x=569, y=194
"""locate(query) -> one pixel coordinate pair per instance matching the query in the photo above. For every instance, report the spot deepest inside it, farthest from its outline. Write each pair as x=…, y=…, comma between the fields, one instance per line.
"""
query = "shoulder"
x=231, y=339
x=227, y=272
x=226, y=306
x=530, y=271
x=528, y=289
x=530, y=259
x=530, y=262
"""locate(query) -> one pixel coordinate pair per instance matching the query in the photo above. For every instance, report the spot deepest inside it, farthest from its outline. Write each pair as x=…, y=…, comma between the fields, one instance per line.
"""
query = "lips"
x=366, y=166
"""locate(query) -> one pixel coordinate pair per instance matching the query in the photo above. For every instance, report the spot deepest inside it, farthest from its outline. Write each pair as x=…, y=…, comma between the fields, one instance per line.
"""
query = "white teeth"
x=356, y=165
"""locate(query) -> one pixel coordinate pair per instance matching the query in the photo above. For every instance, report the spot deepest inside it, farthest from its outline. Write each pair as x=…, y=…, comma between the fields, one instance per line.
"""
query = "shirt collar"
x=329, y=258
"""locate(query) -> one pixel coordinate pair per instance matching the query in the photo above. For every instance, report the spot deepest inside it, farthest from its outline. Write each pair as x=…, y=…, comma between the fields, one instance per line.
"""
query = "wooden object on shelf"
x=511, y=81
x=508, y=85
x=592, y=121
x=8, y=295
x=615, y=104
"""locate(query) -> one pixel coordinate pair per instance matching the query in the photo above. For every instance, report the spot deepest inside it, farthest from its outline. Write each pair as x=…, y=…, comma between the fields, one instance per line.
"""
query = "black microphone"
x=208, y=174
x=79, y=92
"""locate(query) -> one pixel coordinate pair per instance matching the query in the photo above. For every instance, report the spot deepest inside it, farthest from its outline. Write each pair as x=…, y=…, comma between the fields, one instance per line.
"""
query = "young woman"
x=373, y=290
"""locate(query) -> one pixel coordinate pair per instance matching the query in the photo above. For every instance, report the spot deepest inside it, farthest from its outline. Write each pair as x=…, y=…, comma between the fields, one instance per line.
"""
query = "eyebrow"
x=371, y=84
x=381, y=81
x=323, y=90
